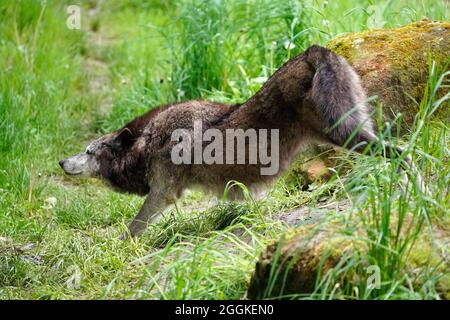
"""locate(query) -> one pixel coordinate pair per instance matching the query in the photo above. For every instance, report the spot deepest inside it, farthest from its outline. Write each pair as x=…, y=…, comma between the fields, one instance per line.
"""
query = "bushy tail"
x=339, y=98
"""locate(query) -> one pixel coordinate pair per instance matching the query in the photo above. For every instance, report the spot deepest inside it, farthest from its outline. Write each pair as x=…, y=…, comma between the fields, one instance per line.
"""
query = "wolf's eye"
x=88, y=152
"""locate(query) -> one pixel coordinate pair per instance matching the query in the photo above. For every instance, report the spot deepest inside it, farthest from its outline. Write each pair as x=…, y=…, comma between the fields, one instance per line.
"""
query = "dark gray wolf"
x=315, y=97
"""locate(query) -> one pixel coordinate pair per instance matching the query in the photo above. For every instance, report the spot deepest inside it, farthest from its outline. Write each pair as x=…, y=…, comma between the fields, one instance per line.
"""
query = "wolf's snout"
x=78, y=165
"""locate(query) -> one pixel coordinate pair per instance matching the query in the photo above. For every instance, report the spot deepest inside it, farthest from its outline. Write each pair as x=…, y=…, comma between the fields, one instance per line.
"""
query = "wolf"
x=316, y=97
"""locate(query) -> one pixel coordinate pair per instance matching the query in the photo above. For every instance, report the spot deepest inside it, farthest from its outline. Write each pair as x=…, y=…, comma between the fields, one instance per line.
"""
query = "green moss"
x=407, y=42
x=391, y=59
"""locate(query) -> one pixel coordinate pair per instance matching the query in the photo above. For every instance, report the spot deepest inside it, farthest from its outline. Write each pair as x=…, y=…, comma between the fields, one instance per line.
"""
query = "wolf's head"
x=100, y=156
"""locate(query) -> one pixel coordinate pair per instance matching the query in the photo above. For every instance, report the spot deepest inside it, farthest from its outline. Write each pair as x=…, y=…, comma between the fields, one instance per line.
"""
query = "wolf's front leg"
x=154, y=204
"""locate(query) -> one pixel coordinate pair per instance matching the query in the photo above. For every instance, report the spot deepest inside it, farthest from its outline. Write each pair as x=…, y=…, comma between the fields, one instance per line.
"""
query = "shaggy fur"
x=315, y=97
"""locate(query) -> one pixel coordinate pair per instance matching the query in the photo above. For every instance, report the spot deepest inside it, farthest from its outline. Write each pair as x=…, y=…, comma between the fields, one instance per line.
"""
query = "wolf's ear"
x=123, y=140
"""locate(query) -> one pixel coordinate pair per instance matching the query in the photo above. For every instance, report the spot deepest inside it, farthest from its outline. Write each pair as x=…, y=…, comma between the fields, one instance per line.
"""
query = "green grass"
x=59, y=237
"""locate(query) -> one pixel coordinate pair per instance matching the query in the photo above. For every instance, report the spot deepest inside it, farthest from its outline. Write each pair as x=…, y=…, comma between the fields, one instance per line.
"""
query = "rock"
x=338, y=252
x=393, y=63
x=292, y=264
x=312, y=214
x=312, y=165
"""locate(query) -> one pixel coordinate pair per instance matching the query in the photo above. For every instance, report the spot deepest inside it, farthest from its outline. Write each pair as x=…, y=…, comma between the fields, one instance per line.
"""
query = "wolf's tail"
x=339, y=98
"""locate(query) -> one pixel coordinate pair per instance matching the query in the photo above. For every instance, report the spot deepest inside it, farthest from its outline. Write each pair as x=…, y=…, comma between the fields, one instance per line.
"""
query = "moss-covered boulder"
x=292, y=264
x=336, y=255
x=312, y=165
x=394, y=63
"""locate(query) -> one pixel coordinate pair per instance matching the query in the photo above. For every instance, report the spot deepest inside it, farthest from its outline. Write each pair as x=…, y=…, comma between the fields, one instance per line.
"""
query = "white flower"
x=288, y=45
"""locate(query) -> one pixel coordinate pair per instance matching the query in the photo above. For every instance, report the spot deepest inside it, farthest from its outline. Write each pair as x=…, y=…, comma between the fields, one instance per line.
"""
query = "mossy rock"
x=394, y=63
x=306, y=258
x=292, y=264
x=311, y=165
